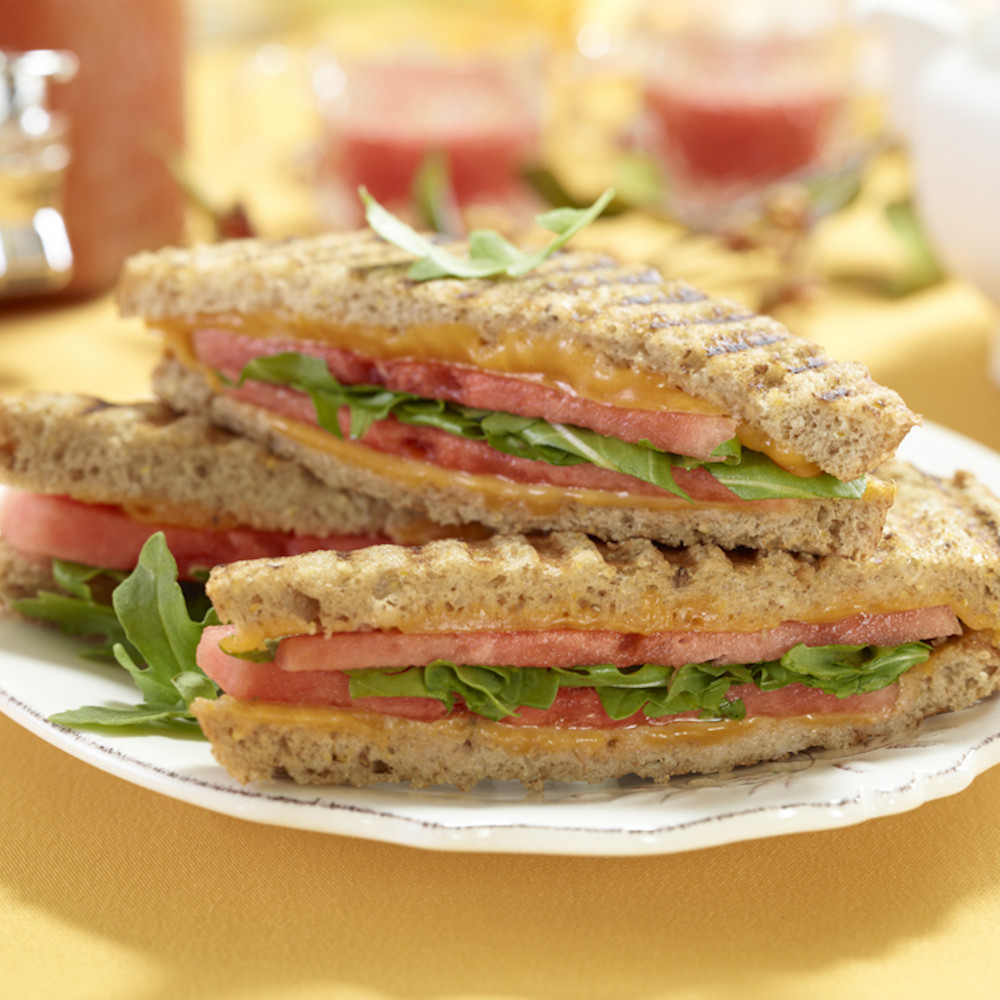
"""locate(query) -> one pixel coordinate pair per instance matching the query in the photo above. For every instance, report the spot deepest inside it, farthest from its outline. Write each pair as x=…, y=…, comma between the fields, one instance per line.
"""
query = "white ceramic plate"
x=41, y=673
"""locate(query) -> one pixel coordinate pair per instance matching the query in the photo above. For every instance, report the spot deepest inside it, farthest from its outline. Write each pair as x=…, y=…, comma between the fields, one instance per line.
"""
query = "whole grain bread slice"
x=180, y=468
x=940, y=547
x=259, y=742
x=750, y=366
x=817, y=525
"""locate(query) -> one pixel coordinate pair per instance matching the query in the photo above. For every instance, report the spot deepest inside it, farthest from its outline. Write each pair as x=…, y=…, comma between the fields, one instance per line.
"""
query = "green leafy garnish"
x=756, y=477
x=750, y=475
x=158, y=648
x=490, y=254
x=79, y=612
x=656, y=691
x=637, y=180
x=434, y=196
x=922, y=266
x=843, y=670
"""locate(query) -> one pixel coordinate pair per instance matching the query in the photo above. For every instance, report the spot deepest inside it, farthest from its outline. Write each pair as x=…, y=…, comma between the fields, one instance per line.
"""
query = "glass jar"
x=124, y=111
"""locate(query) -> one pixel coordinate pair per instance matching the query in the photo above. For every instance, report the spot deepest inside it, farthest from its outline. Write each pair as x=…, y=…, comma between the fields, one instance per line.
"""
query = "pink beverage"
x=482, y=120
x=739, y=97
x=736, y=139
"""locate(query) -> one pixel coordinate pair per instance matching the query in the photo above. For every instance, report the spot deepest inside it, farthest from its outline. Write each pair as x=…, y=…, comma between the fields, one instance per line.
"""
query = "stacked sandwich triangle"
x=600, y=523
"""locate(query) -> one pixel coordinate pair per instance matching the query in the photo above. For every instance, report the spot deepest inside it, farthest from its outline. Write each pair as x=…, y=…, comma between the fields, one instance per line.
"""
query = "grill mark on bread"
x=587, y=274
x=661, y=322
x=841, y=392
x=812, y=364
x=745, y=341
x=683, y=294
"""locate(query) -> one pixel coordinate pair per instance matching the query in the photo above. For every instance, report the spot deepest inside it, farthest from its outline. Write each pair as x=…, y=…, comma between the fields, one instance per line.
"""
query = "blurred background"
x=818, y=159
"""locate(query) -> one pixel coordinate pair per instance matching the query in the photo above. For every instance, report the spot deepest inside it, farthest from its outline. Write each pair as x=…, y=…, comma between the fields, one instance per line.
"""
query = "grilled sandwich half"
x=559, y=657
x=587, y=396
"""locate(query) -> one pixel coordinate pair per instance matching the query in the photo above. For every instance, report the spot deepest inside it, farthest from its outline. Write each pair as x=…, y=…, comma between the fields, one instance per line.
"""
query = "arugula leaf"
x=490, y=254
x=844, y=670
x=77, y=616
x=756, y=477
x=158, y=650
x=433, y=196
x=751, y=475
x=656, y=691
x=492, y=692
x=78, y=612
x=922, y=266
x=75, y=577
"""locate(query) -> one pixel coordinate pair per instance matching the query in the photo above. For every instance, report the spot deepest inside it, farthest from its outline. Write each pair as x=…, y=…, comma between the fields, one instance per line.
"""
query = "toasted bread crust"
x=749, y=366
x=22, y=578
x=317, y=746
x=818, y=526
x=179, y=468
x=940, y=547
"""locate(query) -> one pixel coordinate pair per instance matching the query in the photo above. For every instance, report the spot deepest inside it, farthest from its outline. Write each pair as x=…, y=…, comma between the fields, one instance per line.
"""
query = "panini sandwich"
x=89, y=482
x=561, y=657
x=586, y=396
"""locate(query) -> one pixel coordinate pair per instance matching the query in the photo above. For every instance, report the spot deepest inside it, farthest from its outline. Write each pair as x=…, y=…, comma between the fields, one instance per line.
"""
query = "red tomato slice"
x=102, y=535
x=571, y=647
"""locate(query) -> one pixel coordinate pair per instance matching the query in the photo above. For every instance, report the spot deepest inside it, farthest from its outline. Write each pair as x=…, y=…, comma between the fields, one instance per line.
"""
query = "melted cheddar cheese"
x=498, y=492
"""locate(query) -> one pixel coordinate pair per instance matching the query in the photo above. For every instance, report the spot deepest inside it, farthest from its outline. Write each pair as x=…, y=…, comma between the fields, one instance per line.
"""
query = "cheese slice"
x=518, y=740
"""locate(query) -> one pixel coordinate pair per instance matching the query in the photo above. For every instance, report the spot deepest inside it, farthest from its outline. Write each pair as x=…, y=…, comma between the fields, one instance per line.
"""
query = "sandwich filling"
x=523, y=427
x=588, y=678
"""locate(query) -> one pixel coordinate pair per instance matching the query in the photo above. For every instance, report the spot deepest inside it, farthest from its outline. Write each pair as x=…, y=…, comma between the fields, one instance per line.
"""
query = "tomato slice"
x=103, y=535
